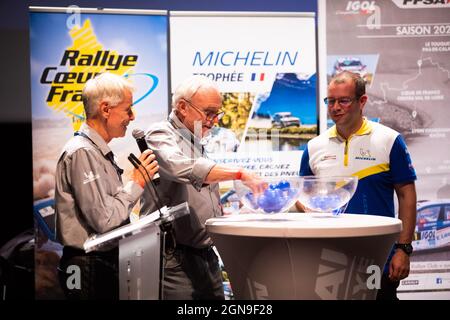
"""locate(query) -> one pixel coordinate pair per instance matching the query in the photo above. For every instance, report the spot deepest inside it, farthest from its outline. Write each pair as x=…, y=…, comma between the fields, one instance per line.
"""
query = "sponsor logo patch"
x=89, y=177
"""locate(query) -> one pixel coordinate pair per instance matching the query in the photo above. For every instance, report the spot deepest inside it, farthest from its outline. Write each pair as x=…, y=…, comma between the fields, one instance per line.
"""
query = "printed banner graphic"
x=266, y=70
x=68, y=49
x=402, y=50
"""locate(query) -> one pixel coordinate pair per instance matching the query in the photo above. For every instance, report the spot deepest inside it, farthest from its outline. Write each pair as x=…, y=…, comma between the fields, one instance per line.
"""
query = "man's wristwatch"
x=406, y=247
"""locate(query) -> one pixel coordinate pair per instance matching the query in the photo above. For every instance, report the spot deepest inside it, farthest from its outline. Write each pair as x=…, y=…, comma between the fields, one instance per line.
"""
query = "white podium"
x=141, y=245
x=303, y=255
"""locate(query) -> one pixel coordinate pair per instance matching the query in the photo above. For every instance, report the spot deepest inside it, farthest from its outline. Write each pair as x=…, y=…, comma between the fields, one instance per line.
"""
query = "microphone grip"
x=142, y=144
x=136, y=160
x=133, y=162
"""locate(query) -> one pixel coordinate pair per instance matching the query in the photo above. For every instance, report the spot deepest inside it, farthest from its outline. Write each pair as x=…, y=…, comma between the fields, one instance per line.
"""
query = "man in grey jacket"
x=192, y=272
x=89, y=195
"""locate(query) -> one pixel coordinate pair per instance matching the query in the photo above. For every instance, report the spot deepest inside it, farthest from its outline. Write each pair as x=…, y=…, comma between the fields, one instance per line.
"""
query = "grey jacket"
x=183, y=170
x=89, y=194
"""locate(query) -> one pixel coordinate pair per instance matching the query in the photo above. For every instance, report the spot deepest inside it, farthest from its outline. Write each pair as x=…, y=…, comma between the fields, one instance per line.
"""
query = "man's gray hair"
x=189, y=87
x=106, y=87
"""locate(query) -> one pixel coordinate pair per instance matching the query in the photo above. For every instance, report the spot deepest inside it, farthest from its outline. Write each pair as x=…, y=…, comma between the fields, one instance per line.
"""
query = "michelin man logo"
x=365, y=153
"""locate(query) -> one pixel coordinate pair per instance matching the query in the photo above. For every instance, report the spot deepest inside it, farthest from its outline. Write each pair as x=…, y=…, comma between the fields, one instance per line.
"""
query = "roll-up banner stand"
x=265, y=67
x=71, y=45
x=402, y=49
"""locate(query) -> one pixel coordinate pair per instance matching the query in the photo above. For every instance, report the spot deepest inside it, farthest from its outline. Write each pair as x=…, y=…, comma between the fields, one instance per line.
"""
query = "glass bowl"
x=326, y=194
x=281, y=194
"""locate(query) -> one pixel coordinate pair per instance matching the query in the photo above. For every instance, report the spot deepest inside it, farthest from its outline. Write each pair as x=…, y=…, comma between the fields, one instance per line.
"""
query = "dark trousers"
x=388, y=288
x=192, y=274
x=89, y=276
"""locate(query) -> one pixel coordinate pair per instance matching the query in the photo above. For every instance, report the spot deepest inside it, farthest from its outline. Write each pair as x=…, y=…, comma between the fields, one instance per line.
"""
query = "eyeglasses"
x=210, y=116
x=343, y=102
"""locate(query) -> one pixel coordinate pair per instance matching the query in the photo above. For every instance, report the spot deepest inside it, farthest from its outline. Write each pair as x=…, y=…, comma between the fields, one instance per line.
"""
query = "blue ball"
x=262, y=201
x=275, y=201
x=278, y=205
x=272, y=186
x=251, y=200
x=292, y=192
x=271, y=195
x=283, y=185
x=335, y=200
x=266, y=200
x=325, y=202
x=280, y=193
x=319, y=202
x=274, y=208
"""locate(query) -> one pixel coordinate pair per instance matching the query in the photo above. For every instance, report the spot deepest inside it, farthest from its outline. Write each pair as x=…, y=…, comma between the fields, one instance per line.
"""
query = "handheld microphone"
x=139, y=135
x=133, y=159
x=137, y=164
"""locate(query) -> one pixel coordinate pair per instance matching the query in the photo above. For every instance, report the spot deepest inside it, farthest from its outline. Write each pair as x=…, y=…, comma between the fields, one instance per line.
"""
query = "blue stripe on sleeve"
x=400, y=163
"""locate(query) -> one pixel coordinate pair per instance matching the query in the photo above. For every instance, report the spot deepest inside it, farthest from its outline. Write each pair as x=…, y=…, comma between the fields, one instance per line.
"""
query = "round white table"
x=304, y=255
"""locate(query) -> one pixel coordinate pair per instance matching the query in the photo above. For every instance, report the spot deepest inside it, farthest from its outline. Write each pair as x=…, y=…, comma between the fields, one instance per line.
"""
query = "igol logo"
x=360, y=5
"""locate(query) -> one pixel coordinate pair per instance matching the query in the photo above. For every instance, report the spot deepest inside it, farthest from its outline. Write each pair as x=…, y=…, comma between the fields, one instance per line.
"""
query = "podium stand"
x=141, y=245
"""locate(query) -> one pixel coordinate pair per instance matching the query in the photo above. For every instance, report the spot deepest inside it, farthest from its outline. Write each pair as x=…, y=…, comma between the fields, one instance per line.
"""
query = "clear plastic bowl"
x=280, y=194
x=326, y=194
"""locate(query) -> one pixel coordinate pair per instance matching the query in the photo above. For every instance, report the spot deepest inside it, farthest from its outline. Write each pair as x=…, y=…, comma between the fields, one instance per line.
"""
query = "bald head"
x=345, y=76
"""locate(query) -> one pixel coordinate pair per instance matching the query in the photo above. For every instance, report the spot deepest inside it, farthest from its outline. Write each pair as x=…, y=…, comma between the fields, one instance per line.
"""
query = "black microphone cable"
x=158, y=198
x=167, y=252
x=166, y=221
x=136, y=165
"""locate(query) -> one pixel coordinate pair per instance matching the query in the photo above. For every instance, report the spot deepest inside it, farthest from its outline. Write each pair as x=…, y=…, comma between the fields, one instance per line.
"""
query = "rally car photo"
x=351, y=64
x=433, y=225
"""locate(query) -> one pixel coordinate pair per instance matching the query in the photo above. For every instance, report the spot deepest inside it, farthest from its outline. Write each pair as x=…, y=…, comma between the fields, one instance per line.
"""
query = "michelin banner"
x=70, y=46
x=265, y=67
x=402, y=49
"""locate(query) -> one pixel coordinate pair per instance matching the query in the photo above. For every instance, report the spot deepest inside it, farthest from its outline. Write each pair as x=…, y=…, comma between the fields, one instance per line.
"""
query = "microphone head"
x=138, y=133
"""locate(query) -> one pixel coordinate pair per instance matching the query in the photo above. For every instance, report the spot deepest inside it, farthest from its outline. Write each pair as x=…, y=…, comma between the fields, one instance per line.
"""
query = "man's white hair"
x=189, y=87
x=106, y=87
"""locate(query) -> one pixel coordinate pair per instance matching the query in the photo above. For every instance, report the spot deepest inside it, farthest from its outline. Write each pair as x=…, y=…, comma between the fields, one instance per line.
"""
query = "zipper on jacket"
x=346, y=153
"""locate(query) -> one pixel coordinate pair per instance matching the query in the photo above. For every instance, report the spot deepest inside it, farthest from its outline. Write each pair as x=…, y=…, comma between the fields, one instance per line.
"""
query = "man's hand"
x=253, y=181
x=300, y=207
x=148, y=162
x=399, y=267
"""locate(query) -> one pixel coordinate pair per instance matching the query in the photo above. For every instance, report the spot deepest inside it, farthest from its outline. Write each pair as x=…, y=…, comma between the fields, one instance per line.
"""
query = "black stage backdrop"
x=15, y=106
